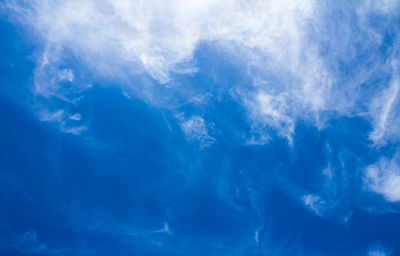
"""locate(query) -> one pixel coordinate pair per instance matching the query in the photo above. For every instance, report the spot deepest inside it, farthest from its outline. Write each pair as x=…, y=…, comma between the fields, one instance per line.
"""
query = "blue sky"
x=209, y=127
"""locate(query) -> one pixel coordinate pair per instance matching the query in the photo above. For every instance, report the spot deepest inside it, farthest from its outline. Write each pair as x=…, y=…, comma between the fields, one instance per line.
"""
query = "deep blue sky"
x=219, y=128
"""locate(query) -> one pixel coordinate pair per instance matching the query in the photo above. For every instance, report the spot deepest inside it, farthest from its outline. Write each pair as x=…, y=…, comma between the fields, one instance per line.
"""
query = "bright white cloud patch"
x=65, y=123
x=282, y=43
x=121, y=39
x=157, y=35
x=315, y=203
x=378, y=251
x=75, y=117
x=384, y=178
x=30, y=244
x=165, y=229
x=272, y=111
x=385, y=110
x=196, y=129
x=66, y=74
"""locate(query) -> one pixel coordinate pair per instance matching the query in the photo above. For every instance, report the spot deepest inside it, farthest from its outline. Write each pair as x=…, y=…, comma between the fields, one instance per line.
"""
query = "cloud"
x=384, y=6
x=300, y=64
x=256, y=236
x=55, y=116
x=270, y=111
x=280, y=42
x=30, y=244
x=291, y=51
x=196, y=129
x=165, y=229
x=75, y=117
x=384, y=178
x=384, y=110
x=66, y=74
x=376, y=253
x=315, y=203
x=331, y=191
x=378, y=250
x=123, y=39
x=64, y=122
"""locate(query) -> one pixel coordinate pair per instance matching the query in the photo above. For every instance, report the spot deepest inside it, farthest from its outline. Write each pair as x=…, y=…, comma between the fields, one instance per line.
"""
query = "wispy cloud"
x=384, y=178
x=196, y=129
x=29, y=243
x=376, y=253
x=283, y=44
x=300, y=65
x=378, y=250
x=123, y=39
x=384, y=109
x=315, y=203
x=64, y=122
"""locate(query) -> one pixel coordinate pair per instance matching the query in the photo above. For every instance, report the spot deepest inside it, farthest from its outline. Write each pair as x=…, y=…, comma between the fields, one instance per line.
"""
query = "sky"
x=213, y=127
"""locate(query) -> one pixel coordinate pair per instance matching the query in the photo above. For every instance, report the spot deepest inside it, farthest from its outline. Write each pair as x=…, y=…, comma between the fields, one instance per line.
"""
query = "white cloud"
x=75, y=130
x=272, y=111
x=378, y=250
x=376, y=253
x=126, y=95
x=63, y=121
x=165, y=229
x=280, y=42
x=384, y=110
x=256, y=237
x=196, y=129
x=384, y=178
x=30, y=244
x=315, y=203
x=120, y=39
x=55, y=116
x=75, y=117
x=66, y=74
x=385, y=6
x=330, y=200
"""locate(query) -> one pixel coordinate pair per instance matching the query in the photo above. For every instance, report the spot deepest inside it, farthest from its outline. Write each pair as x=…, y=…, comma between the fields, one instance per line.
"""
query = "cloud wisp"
x=125, y=39
x=299, y=63
x=383, y=178
x=281, y=42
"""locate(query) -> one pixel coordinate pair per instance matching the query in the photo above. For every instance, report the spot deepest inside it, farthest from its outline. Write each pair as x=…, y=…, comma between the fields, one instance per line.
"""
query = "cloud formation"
x=300, y=64
x=384, y=178
x=281, y=42
x=123, y=39
x=196, y=129
x=29, y=243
